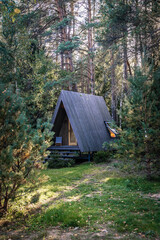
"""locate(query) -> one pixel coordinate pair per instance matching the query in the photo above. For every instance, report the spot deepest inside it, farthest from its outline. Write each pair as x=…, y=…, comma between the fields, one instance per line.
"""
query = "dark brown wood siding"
x=86, y=114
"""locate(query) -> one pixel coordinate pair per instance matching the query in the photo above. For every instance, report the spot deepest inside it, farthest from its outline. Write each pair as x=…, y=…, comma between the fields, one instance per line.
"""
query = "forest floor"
x=89, y=201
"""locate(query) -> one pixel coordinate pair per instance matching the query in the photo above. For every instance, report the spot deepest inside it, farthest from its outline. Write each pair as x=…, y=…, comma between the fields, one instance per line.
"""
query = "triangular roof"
x=86, y=114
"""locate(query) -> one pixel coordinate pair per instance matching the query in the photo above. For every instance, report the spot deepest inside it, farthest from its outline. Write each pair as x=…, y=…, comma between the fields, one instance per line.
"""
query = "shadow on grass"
x=95, y=197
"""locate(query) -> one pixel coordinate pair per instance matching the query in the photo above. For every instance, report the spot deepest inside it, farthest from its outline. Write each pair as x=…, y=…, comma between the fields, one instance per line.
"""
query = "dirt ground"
x=56, y=233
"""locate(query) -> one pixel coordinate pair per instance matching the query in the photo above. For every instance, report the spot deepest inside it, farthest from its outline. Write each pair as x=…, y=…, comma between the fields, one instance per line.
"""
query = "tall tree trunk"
x=74, y=85
x=66, y=56
x=0, y=195
x=125, y=59
x=148, y=168
x=136, y=50
x=62, y=15
x=93, y=44
x=73, y=21
x=113, y=90
x=57, y=47
x=136, y=38
x=141, y=48
x=90, y=82
x=121, y=103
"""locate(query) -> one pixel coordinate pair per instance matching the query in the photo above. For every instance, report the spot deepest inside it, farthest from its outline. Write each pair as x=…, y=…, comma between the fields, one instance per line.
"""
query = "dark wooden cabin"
x=79, y=122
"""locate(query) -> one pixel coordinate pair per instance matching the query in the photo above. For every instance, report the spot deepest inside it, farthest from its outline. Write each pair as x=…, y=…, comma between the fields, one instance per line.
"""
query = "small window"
x=113, y=133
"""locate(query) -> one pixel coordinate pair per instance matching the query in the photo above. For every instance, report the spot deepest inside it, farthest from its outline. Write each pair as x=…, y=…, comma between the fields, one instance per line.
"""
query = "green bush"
x=22, y=147
x=101, y=156
x=56, y=161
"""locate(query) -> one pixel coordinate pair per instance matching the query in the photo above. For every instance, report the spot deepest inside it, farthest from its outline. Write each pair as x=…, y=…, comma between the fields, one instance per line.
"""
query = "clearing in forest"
x=89, y=201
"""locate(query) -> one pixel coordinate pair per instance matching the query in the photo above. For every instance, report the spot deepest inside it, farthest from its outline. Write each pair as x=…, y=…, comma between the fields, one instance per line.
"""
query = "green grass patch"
x=92, y=195
x=64, y=215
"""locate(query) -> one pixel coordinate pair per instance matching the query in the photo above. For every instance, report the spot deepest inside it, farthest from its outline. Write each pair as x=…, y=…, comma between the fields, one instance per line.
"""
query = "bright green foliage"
x=140, y=138
x=21, y=146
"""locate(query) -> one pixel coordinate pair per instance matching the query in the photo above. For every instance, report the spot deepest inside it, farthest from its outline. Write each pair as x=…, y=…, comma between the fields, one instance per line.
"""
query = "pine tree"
x=21, y=146
x=140, y=138
x=26, y=74
x=25, y=64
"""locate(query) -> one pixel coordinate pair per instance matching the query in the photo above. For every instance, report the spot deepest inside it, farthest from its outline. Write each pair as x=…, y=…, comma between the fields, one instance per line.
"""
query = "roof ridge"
x=88, y=94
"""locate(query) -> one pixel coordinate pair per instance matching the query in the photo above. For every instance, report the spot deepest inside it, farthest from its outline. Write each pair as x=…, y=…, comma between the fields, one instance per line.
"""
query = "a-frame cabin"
x=79, y=122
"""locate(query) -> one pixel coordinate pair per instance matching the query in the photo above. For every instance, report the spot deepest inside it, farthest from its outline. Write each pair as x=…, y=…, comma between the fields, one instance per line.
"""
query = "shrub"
x=101, y=156
x=56, y=161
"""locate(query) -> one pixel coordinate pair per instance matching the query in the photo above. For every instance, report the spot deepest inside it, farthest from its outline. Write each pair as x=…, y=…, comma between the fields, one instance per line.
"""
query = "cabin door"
x=71, y=137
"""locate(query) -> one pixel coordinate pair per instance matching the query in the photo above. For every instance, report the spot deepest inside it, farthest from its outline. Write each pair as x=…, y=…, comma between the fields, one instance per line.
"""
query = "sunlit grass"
x=91, y=195
x=49, y=185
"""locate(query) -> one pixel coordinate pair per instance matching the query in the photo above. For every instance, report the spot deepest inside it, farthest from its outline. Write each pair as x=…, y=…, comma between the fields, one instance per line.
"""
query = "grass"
x=91, y=195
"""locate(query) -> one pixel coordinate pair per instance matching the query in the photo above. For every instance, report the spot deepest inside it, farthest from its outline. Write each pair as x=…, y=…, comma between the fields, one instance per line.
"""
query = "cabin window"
x=113, y=133
x=71, y=137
